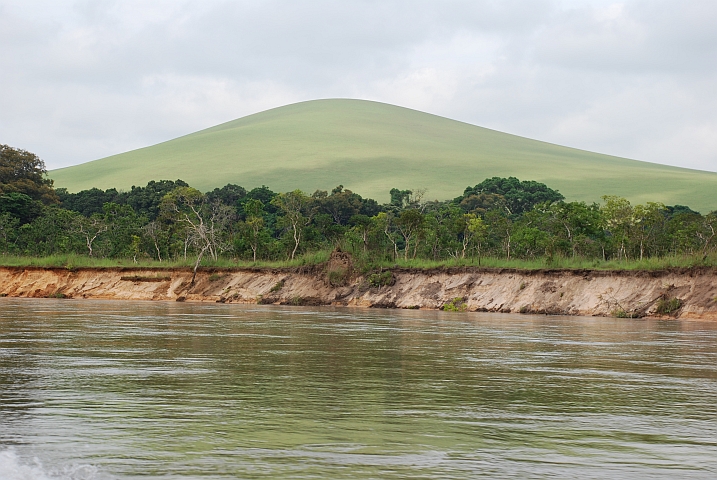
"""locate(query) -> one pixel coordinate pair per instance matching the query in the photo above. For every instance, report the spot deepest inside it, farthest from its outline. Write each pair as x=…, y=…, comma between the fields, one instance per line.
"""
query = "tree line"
x=170, y=220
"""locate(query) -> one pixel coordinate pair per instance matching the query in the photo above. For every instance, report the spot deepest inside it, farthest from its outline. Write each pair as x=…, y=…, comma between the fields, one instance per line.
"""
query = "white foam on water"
x=13, y=467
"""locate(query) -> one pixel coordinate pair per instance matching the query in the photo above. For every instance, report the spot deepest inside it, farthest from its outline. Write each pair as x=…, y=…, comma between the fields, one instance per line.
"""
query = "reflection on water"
x=92, y=389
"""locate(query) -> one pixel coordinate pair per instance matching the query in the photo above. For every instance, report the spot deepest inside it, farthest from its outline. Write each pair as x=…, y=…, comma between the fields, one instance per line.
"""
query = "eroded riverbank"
x=677, y=293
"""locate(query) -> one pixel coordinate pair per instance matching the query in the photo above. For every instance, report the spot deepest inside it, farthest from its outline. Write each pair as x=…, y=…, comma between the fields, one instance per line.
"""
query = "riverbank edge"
x=679, y=293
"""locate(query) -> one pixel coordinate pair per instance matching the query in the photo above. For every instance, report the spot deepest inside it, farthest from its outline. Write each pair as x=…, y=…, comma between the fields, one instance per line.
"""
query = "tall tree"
x=473, y=230
x=254, y=210
x=156, y=234
x=146, y=201
x=649, y=219
x=90, y=228
x=500, y=227
x=20, y=206
x=520, y=197
x=619, y=217
x=24, y=172
x=204, y=223
x=125, y=225
x=297, y=214
x=8, y=228
x=410, y=223
x=706, y=233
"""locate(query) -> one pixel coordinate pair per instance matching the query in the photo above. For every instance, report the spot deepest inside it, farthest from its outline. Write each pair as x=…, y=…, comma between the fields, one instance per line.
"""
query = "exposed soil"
x=685, y=293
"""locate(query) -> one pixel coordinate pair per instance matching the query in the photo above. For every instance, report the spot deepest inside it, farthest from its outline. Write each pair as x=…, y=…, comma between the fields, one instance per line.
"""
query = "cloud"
x=86, y=79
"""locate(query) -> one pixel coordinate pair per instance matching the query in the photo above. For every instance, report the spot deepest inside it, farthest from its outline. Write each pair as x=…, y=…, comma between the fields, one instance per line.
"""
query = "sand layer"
x=677, y=293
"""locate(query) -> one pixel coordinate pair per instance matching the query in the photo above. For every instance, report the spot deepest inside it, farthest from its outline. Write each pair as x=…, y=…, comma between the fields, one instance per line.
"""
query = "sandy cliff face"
x=688, y=293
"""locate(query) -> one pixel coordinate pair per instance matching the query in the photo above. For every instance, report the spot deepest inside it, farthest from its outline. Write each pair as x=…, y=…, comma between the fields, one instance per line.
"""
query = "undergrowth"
x=366, y=265
x=456, y=305
x=666, y=306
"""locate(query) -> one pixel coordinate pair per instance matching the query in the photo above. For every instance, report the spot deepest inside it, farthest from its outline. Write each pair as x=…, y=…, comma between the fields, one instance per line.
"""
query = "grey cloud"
x=107, y=76
x=651, y=37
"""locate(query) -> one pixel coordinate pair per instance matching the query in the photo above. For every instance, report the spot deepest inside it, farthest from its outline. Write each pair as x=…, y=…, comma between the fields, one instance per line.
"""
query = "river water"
x=118, y=390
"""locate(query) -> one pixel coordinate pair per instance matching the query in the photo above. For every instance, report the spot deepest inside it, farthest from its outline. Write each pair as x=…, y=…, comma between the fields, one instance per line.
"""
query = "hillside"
x=371, y=147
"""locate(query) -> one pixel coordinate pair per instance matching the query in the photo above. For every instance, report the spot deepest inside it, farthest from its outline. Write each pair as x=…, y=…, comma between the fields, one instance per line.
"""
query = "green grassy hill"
x=371, y=147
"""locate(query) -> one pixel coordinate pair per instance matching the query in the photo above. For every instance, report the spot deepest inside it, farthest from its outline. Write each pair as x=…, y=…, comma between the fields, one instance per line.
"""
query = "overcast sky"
x=80, y=80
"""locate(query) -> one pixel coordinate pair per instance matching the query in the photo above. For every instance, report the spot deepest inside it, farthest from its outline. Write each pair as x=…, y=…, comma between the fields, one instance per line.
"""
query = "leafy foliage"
x=518, y=221
x=24, y=172
x=666, y=306
x=518, y=197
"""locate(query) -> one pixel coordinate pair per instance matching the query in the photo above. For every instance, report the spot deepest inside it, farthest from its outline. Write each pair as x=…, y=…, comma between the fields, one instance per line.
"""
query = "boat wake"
x=13, y=467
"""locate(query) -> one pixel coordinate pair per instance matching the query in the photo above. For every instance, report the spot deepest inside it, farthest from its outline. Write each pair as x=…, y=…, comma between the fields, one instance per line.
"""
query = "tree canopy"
x=519, y=197
x=499, y=217
x=24, y=172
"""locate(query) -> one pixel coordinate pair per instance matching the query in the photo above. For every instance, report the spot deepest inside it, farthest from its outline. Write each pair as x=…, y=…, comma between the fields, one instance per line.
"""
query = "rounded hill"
x=371, y=147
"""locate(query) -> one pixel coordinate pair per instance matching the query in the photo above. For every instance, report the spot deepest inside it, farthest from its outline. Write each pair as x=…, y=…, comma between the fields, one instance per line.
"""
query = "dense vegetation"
x=169, y=221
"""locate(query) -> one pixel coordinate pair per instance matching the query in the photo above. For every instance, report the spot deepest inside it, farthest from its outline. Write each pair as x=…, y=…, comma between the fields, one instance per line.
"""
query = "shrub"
x=456, y=305
x=666, y=306
x=337, y=277
x=278, y=286
x=382, y=279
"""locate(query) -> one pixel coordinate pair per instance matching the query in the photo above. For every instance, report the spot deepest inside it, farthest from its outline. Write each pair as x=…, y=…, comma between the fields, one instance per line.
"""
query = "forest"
x=500, y=221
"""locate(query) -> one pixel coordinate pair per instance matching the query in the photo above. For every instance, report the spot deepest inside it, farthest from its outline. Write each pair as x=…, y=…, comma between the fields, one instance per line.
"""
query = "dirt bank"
x=677, y=293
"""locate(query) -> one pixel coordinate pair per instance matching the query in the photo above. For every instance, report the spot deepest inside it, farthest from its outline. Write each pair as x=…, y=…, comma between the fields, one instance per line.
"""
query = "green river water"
x=144, y=390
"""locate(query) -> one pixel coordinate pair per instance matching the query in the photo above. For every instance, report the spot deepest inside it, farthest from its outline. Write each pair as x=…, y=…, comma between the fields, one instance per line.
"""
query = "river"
x=124, y=390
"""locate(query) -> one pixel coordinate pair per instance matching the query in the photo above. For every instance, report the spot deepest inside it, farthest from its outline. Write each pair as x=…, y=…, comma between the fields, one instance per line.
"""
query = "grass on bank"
x=73, y=261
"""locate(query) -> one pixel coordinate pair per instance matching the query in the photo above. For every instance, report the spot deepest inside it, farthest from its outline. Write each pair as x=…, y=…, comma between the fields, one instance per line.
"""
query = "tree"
x=482, y=202
x=520, y=197
x=50, y=233
x=528, y=241
x=203, y=223
x=264, y=194
x=500, y=227
x=8, y=226
x=648, y=219
x=20, y=206
x=570, y=225
x=297, y=214
x=341, y=204
x=230, y=195
x=323, y=230
x=254, y=210
x=385, y=222
x=400, y=198
x=441, y=236
x=90, y=229
x=89, y=201
x=706, y=233
x=684, y=232
x=124, y=224
x=24, y=172
x=410, y=224
x=153, y=230
x=361, y=227
x=147, y=201
x=135, y=247
x=473, y=231
x=618, y=215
